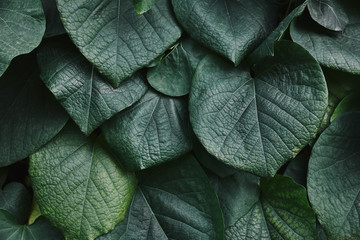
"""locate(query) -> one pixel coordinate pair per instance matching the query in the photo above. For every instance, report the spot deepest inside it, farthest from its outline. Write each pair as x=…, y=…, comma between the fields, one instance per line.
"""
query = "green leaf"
x=29, y=114
x=338, y=50
x=333, y=177
x=81, y=90
x=276, y=208
x=257, y=124
x=142, y=6
x=230, y=28
x=173, y=75
x=173, y=201
x=22, y=26
x=10, y=229
x=116, y=39
x=267, y=47
x=54, y=25
x=329, y=13
x=348, y=104
x=152, y=131
x=15, y=198
x=79, y=185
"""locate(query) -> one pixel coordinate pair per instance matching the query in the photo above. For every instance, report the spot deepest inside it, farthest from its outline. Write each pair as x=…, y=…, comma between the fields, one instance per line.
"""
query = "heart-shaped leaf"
x=257, y=124
x=10, y=229
x=22, y=26
x=81, y=90
x=230, y=28
x=173, y=201
x=117, y=40
x=152, y=131
x=338, y=50
x=276, y=208
x=329, y=13
x=333, y=177
x=29, y=114
x=79, y=185
x=174, y=74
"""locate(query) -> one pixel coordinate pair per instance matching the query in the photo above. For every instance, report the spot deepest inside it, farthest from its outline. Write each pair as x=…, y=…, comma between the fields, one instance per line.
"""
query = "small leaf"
x=329, y=14
x=3, y=176
x=338, y=50
x=257, y=124
x=117, y=40
x=348, y=104
x=35, y=212
x=230, y=28
x=142, y=6
x=81, y=90
x=173, y=75
x=79, y=185
x=10, y=229
x=154, y=130
x=297, y=168
x=173, y=201
x=16, y=199
x=29, y=114
x=22, y=26
x=333, y=177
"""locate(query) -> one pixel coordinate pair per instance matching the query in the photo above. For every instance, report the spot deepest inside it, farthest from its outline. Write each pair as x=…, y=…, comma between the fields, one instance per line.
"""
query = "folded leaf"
x=117, y=40
x=22, y=26
x=257, y=124
x=80, y=186
x=333, y=177
x=81, y=90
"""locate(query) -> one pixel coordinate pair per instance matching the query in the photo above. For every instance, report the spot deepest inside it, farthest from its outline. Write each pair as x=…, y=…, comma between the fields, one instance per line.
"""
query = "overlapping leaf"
x=173, y=76
x=257, y=124
x=333, y=177
x=142, y=6
x=230, y=28
x=22, y=26
x=117, y=40
x=174, y=201
x=79, y=185
x=81, y=90
x=154, y=130
x=29, y=114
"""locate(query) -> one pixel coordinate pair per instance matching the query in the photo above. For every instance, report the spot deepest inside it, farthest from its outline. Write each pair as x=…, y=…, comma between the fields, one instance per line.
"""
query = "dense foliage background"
x=182, y=119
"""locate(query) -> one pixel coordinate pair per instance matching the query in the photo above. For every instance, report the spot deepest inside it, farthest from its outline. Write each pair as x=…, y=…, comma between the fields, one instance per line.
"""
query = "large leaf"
x=116, y=39
x=338, y=50
x=79, y=185
x=29, y=114
x=173, y=201
x=15, y=198
x=154, y=130
x=333, y=177
x=10, y=229
x=81, y=90
x=174, y=74
x=231, y=28
x=257, y=124
x=266, y=48
x=22, y=26
x=329, y=13
x=142, y=6
x=276, y=208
